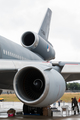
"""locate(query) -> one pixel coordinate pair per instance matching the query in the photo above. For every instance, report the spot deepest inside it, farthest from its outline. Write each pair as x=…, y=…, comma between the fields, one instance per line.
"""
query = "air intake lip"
x=30, y=85
x=28, y=38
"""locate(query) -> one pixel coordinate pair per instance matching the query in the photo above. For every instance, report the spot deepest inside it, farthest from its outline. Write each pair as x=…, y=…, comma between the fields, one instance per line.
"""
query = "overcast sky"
x=18, y=16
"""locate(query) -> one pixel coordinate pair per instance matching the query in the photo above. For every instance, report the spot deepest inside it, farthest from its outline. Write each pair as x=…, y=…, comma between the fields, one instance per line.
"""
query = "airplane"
x=28, y=70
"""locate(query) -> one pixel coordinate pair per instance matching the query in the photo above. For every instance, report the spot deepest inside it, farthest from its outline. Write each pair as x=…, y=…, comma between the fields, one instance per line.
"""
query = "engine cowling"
x=37, y=44
x=38, y=85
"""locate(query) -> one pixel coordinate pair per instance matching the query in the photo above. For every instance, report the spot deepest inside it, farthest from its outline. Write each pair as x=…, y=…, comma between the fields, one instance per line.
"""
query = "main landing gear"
x=28, y=110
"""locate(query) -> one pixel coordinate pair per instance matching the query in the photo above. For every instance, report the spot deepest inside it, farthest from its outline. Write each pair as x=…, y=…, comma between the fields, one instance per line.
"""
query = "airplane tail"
x=44, y=29
x=38, y=43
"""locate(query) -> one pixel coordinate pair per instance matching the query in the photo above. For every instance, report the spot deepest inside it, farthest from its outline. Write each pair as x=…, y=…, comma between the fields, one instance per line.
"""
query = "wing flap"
x=71, y=68
x=71, y=72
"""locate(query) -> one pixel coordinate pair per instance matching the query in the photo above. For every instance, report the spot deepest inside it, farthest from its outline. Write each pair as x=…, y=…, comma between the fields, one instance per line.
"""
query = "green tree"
x=73, y=86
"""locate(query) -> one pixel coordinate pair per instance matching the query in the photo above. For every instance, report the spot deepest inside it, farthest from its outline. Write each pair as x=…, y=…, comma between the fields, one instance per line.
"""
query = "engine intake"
x=29, y=85
x=28, y=38
x=33, y=83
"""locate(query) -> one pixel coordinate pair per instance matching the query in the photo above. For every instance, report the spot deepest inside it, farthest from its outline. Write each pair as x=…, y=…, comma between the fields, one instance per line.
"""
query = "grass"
x=9, y=98
x=66, y=97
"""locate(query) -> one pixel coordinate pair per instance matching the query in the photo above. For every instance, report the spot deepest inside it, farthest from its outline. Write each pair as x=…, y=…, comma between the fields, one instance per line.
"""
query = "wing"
x=69, y=70
x=7, y=72
x=8, y=69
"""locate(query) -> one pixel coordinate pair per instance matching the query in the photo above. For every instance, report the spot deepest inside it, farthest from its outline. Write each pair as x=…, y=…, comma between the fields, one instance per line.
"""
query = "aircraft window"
x=18, y=56
x=4, y=51
x=11, y=54
x=14, y=55
x=8, y=52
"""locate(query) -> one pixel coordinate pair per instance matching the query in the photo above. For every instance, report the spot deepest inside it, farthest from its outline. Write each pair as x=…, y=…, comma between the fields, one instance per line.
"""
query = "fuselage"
x=11, y=50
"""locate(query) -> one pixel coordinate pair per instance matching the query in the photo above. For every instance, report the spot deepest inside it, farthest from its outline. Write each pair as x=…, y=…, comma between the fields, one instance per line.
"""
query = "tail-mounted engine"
x=37, y=44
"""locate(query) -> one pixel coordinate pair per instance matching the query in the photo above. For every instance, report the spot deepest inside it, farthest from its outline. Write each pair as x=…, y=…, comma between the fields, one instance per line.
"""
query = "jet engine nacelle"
x=37, y=44
x=38, y=86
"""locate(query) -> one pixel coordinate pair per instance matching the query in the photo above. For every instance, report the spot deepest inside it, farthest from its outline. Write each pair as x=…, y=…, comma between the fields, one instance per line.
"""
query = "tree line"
x=73, y=86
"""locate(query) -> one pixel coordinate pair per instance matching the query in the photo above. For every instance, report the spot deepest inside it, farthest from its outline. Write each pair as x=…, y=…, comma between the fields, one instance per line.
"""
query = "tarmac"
x=27, y=117
x=58, y=114
x=76, y=117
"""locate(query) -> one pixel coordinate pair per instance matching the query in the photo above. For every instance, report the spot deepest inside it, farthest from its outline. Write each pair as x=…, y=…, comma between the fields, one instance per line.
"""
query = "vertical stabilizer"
x=44, y=29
